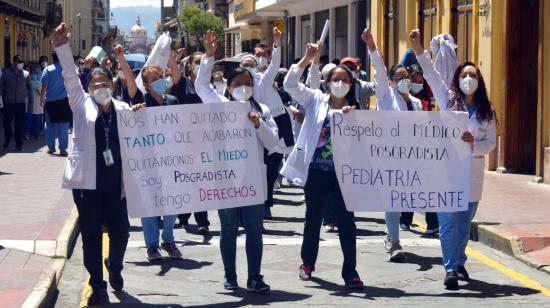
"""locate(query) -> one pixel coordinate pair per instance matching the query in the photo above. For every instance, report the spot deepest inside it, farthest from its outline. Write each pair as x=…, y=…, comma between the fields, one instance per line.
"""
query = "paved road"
x=196, y=280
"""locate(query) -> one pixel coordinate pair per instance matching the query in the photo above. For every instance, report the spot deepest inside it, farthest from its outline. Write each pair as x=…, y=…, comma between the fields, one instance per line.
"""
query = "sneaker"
x=432, y=232
x=354, y=283
x=305, y=272
x=203, y=230
x=451, y=281
x=115, y=277
x=50, y=152
x=404, y=227
x=98, y=297
x=153, y=253
x=396, y=252
x=230, y=283
x=462, y=274
x=184, y=225
x=63, y=153
x=172, y=250
x=257, y=285
x=387, y=243
x=329, y=228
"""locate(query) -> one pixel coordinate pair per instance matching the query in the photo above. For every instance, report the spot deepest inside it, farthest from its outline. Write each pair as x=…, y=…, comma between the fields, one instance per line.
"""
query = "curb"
x=45, y=290
x=507, y=243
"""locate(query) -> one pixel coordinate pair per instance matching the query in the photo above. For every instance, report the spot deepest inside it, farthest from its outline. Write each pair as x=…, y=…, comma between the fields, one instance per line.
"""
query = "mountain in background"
x=125, y=18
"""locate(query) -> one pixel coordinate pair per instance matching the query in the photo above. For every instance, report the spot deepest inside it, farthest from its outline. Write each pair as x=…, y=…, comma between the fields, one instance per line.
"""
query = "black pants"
x=318, y=186
x=94, y=209
x=431, y=220
x=200, y=217
x=273, y=162
x=14, y=113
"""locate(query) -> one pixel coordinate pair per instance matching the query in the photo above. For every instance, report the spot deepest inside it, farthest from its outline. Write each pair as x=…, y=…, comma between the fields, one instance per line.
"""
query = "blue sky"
x=126, y=3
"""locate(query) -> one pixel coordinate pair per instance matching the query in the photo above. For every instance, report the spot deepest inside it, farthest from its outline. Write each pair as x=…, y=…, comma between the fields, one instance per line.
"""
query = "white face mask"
x=416, y=87
x=251, y=69
x=120, y=75
x=169, y=82
x=220, y=86
x=404, y=86
x=102, y=96
x=339, y=89
x=20, y=66
x=468, y=85
x=195, y=70
x=242, y=93
x=262, y=62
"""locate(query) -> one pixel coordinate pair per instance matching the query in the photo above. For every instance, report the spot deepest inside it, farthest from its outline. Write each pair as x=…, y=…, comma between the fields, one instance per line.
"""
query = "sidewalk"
x=514, y=217
x=37, y=225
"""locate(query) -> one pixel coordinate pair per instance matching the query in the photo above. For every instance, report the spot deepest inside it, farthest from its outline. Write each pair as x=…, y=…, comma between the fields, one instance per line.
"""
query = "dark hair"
x=136, y=71
x=100, y=71
x=16, y=58
x=231, y=76
x=55, y=59
x=42, y=58
x=189, y=63
x=350, y=97
x=485, y=110
x=261, y=45
x=393, y=70
x=336, y=61
x=414, y=69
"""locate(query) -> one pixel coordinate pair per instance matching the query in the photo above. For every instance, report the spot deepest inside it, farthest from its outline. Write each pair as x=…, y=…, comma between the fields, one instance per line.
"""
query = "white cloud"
x=125, y=3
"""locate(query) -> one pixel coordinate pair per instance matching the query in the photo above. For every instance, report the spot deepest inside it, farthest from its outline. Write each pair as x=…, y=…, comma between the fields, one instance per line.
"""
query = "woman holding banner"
x=467, y=92
x=392, y=93
x=311, y=164
x=94, y=169
x=239, y=88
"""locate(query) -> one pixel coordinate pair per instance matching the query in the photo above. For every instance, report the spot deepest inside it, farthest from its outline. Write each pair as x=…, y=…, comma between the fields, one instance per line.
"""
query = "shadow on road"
x=424, y=263
x=167, y=264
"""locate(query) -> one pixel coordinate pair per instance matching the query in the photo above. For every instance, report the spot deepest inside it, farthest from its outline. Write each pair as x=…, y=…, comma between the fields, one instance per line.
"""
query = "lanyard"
x=107, y=127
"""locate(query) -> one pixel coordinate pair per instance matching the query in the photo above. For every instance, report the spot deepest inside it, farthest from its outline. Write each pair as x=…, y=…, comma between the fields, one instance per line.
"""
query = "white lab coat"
x=80, y=167
x=443, y=48
x=267, y=133
x=484, y=132
x=387, y=98
x=316, y=106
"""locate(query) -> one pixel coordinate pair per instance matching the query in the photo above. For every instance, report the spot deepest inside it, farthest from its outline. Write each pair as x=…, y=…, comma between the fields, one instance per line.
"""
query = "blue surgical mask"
x=160, y=86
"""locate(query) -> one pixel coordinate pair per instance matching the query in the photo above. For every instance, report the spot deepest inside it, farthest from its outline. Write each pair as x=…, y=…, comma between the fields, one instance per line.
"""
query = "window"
x=341, y=32
x=83, y=44
x=463, y=28
x=390, y=33
x=428, y=20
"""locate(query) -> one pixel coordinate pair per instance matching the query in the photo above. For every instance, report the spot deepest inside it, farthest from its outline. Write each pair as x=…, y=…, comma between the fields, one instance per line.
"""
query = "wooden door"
x=521, y=89
x=463, y=28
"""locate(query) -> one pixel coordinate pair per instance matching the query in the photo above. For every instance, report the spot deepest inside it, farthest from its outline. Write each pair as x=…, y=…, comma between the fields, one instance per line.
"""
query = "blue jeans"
x=32, y=124
x=151, y=230
x=454, y=232
x=392, y=225
x=59, y=130
x=252, y=217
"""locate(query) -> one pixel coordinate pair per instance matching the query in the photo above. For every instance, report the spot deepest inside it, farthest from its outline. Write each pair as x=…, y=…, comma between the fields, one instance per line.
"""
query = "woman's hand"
x=255, y=118
x=366, y=36
x=468, y=138
x=210, y=43
x=118, y=53
x=180, y=54
x=61, y=35
x=416, y=40
x=317, y=59
x=347, y=109
x=277, y=36
x=311, y=51
x=137, y=107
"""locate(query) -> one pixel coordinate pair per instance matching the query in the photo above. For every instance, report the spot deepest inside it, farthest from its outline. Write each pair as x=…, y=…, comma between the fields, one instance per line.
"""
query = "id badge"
x=108, y=156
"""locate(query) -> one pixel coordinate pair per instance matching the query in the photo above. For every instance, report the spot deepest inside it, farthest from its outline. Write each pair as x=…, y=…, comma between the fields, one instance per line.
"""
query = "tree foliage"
x=197, y=21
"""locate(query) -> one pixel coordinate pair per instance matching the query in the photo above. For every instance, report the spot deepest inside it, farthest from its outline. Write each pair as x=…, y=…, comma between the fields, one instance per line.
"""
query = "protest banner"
x=389, y=161
x=189, y=158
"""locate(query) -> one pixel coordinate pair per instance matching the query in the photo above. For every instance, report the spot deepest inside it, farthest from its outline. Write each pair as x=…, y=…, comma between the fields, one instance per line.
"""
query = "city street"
x=196, y=280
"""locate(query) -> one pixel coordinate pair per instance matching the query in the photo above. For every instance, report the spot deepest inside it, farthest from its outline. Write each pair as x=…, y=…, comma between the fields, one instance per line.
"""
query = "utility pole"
x=161, y=15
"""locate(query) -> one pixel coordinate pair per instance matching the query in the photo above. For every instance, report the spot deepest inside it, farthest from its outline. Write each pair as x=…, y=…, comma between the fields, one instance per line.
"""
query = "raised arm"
x=204, y=89
x=268, y=77
x=65, y=54
x=302, y=94
x=314, y=75
x=173, y=64
x=439, y=89
x=128, y=74
x=382, y=87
